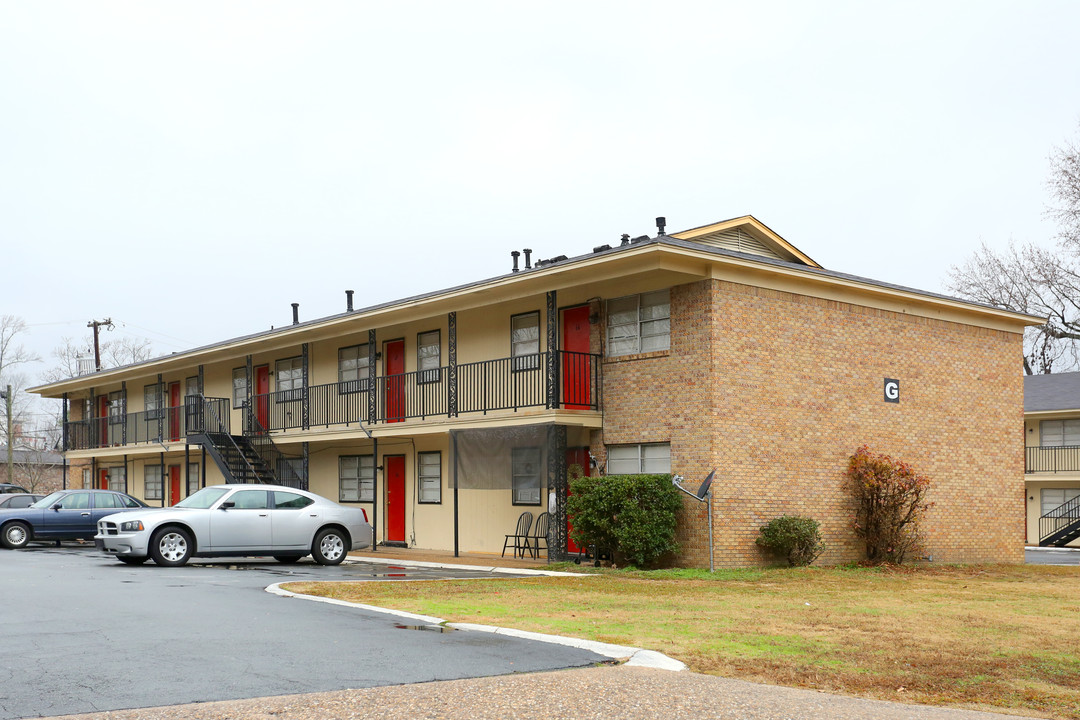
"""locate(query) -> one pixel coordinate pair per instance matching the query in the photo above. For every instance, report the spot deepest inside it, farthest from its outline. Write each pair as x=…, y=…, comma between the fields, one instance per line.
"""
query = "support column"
x=556, y=452
x=552, y=385
x=452, y=387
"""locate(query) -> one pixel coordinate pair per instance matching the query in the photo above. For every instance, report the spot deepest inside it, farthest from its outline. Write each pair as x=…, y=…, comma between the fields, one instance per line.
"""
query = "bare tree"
x=1034, y=280
x=14, y=359
x=114, y=353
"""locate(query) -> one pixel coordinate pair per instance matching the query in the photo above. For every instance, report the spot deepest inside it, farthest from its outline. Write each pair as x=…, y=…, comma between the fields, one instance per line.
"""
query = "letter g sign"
x=892, y=390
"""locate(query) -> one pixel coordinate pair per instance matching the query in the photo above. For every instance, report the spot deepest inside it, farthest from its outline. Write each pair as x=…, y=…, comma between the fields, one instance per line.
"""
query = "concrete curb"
x=480, y=568
x=637, y=657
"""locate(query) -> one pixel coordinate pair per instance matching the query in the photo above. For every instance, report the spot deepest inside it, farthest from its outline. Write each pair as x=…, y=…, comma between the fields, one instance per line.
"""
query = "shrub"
x=891, y=503
x=632, y=515
x=798, y=539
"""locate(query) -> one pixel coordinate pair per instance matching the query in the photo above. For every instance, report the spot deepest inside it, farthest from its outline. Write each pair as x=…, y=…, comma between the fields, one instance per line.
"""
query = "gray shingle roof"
x=1060, y=391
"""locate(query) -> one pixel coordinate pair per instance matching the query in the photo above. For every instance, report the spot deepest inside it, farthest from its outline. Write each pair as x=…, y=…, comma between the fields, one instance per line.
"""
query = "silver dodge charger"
x=230, y=520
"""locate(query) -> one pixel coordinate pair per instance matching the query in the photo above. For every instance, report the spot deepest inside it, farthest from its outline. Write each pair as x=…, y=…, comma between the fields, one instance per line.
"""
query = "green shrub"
x=795, y=538
x=631, y=515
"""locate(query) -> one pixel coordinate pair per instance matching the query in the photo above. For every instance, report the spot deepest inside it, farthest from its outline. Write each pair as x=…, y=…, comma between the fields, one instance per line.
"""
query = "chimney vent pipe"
x=528, y=259
x=296, y=313
x=348, y=300
x=660, y=223
x=514, y=254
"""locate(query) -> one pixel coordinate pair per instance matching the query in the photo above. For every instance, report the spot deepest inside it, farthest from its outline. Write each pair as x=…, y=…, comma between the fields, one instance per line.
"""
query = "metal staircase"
x=1061, y=525
x=248, y=458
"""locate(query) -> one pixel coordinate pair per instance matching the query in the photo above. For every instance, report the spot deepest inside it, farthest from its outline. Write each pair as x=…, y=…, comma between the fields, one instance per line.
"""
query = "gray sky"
x=190, y=169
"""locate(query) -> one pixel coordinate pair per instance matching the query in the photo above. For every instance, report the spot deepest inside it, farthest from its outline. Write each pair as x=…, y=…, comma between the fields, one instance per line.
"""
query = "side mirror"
x=57, y=507
x=227, y=504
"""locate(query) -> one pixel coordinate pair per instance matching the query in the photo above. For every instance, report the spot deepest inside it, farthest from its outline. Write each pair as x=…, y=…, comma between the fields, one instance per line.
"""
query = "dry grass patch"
x=989, y=637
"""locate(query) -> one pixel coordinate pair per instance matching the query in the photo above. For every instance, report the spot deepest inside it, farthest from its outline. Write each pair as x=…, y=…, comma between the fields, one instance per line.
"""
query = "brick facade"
x=776, y=390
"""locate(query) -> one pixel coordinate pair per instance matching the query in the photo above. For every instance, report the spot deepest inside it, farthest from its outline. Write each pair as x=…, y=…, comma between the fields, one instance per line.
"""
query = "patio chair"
x=520, y=537
x=540, y=533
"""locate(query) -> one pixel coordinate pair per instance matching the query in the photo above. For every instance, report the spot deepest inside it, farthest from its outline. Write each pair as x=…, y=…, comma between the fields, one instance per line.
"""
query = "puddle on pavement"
x=426, y=628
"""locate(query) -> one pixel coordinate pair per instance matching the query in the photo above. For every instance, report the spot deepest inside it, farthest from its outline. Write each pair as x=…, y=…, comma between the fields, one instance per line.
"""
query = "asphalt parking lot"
x=84, y=633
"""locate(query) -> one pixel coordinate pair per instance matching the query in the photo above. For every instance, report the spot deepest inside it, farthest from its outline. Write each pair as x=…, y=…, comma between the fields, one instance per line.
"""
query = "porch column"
x=64, y=440
x=373, y=386
x=556, y=451
x=305, y=356
x=452, y=388
x=552, y=379
x=161, y=422
x=123, y=413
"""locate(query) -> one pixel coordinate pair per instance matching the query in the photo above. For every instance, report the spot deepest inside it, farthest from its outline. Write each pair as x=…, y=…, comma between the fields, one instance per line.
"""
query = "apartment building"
x=1052, y=430
x=447, y=414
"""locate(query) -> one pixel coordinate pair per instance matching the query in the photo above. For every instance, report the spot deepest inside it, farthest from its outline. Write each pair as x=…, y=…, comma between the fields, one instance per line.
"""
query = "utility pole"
x=108, y=323
x=6, y=395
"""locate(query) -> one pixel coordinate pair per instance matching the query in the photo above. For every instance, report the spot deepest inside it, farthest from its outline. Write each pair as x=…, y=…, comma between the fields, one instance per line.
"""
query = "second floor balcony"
x=559, y=380
x=1058, y=459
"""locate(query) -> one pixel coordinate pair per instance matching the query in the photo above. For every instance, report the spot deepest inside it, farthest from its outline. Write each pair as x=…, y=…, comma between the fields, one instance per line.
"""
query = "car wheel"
x=131, y=559
x=328, y=547
x=171, y=547
x=287, y=558
x=16, y=535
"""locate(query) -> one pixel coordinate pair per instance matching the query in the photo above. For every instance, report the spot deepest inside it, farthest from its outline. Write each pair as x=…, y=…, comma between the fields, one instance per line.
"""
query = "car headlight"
x=131, y=526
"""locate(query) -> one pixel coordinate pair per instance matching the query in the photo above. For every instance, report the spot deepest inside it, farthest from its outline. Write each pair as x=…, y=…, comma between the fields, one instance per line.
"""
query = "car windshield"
x=202, y=499
x=49, y=500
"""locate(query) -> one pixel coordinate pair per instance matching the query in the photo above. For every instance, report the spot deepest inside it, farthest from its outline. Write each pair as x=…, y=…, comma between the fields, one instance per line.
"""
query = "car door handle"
x=85, y=514
x=262, y=514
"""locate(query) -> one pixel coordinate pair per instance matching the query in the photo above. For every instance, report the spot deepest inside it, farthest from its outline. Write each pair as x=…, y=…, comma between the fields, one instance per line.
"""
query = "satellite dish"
x=705, y=485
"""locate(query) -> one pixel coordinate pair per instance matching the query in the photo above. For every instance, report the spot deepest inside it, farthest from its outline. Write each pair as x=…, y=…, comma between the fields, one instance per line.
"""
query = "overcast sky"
x=190, y=169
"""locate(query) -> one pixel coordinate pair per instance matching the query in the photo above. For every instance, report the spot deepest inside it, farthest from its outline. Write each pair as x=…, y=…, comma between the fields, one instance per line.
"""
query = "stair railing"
x=1058, y=519
x=277, y=461
x=210, y=423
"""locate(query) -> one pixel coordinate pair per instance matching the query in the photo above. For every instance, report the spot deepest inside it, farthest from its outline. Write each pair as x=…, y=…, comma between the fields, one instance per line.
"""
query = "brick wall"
x=776, y=390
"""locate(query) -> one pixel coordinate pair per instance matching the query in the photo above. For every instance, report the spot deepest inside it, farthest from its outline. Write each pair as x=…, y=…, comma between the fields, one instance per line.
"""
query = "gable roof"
x=749, y=235
x=1052, y=393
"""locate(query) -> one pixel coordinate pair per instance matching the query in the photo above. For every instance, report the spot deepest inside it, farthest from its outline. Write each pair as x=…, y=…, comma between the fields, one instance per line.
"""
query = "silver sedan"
x=230, y=520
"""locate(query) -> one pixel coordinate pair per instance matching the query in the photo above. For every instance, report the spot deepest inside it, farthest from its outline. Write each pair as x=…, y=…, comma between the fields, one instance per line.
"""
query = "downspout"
x=453, y=443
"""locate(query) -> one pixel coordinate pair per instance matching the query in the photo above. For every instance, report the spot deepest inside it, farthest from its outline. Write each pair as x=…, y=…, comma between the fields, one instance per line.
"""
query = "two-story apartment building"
x=1052, y=430
x=447, y=414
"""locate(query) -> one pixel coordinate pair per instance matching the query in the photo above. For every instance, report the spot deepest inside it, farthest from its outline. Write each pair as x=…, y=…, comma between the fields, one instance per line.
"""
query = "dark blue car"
x=63, y=515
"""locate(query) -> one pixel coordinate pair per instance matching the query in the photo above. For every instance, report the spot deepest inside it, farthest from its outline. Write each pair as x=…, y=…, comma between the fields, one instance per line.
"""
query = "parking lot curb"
x=638, y=657
x=480, y=568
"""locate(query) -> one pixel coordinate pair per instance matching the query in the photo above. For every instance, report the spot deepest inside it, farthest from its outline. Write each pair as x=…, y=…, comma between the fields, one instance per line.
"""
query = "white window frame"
x=152, y=401
x=639, y=459
x=1050, y=498
x=239, y=387
x=1059, y=433
x=525, y=341
x=429, y=477
x=356, y=478
x=639, y=323
x=526, y=475
x=354, y=368
x=153, y=487
x=289, y=378
x=118, y=479
x=429, y=356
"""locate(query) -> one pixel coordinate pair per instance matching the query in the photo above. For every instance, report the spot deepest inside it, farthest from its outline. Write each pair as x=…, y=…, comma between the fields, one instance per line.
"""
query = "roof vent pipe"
x=528, y=259
x=660, y=223
x=625, y=239
x=514, y=254
x=348, y=300
x=296, y=313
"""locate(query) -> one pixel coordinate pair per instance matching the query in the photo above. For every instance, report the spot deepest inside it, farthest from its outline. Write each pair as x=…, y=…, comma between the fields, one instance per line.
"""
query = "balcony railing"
x=563, y=380
x=1052, y=459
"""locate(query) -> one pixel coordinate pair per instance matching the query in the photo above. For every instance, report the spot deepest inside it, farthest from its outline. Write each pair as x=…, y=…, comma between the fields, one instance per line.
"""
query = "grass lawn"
x=1004, y=638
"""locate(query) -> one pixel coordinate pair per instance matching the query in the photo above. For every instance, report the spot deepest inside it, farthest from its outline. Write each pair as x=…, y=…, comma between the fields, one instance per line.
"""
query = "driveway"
x=84, y=633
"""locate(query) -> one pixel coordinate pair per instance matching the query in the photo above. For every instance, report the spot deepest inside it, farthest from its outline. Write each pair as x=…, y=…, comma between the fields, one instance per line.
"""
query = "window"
x=1059, y=433
x=194, y=478
x=118, y=479
x=525, y=476
x=290, y=378
x=249, y=500
x=152, y=401
x=428, y=356
x=356, y=478
x=353, y=368
x=239, y=387
x=104, y=500
x=638, y=459
x=86, y=482
x=152, y=480
x=1056, y=497
x=290, y=470
x=639, y=323
x=75, y=501
x=290, y=501
x=116, y=407
x=525, y=341
x=429, y=469
x=191, y=386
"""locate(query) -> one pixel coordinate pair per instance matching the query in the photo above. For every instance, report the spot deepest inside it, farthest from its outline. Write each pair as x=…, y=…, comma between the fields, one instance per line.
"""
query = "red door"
x=262, y=392
x=174, y=411
x=577, y=393
x=576, y=456
x=174, y=484
x=394, y=370
x=395, y=498
x=103, y=479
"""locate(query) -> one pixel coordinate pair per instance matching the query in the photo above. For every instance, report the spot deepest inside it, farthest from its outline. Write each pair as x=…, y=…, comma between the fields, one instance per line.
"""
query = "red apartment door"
x=395, y=498
x=174, y=484
x=103, y=479
x=575, y=456
x=174, y=411
x=576, y=389
x=262, y=393
x=394, y=370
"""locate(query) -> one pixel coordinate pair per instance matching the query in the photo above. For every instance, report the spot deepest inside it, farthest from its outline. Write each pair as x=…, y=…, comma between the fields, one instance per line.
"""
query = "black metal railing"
x=278, y=463
x=1062, y=524
x=1052, y=459
x=569, y=381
